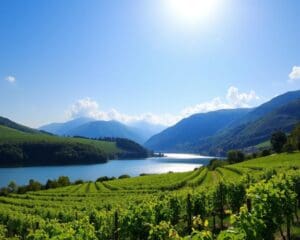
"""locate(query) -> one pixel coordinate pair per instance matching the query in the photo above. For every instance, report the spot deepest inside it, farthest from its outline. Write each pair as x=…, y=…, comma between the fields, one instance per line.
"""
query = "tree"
x=63, y=181
x=34, y=185
x=278, y=140
x=51, y=184
x=12, y=187
x=265, y=152
x=235, y=156
x=294, y=137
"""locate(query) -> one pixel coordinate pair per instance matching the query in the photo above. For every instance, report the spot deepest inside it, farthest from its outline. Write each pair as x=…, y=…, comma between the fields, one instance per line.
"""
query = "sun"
x=191, y=11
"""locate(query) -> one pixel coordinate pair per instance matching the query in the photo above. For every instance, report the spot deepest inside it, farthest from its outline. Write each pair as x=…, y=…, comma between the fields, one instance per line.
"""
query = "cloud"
x=87, y=107
x=10, y=79
x=234, y=99
x=295, y=73
x=213, y=105
x=237, y=99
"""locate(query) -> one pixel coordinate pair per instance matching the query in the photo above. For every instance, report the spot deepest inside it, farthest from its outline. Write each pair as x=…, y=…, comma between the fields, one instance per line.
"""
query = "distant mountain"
x=216, y=137
x=100, y=129
x=194, y=128
x=139, y=131
x=146, y=129
x=63, y=128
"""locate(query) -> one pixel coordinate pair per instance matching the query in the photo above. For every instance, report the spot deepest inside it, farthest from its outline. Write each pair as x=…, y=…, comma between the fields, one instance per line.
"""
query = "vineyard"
x=255, y=199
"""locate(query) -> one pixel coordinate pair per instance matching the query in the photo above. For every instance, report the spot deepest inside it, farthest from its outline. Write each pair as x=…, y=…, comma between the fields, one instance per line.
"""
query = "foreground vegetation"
x=255, y=199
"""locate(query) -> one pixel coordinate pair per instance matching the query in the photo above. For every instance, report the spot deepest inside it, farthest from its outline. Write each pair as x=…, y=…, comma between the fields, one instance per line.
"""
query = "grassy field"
x=65, y=205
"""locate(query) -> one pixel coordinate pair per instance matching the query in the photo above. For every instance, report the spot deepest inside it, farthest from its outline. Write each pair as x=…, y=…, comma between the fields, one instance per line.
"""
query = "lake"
x=133, y=167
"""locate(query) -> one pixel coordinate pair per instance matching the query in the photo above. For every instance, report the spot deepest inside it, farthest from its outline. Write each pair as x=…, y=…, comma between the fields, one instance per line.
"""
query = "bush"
x=124, y=176
x=265, y=152
x=215, y=163
x=235, y=156
x=104, y=178
x=289, y=148
x=79, y=181
x=278, y=140
x=63, y=181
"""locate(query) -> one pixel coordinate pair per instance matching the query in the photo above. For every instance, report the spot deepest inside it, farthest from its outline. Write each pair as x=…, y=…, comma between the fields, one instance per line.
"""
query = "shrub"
x=278, y=140
x=215, y=163
x=265, y=152
x=235, y=156
x=124, y=176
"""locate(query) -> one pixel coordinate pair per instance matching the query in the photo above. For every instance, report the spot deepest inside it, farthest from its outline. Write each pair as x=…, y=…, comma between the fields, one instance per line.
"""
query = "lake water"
x=134, y=167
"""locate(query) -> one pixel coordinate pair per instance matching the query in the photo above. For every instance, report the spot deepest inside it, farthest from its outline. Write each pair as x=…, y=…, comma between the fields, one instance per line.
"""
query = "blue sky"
x=142, y=60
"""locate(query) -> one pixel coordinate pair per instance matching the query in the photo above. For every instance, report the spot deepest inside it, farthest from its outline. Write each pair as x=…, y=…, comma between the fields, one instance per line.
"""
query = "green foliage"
x=124, y=176
x=235, y=156
x=215, y=163
x=259, y=196
x=24, y=148
x=278, y=140
x=265, y=152
x=294, y=138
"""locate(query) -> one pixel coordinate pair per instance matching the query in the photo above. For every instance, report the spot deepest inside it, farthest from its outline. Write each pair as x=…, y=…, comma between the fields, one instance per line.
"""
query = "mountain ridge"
x=236, y=133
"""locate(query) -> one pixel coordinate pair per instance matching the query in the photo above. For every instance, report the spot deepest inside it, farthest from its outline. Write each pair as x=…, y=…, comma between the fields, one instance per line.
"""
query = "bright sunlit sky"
x=153, y=60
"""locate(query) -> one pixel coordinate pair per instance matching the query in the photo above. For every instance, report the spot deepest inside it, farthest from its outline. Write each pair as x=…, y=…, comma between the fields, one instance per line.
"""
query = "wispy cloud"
x=294, y=74
x=10, y=79
x=87, y=107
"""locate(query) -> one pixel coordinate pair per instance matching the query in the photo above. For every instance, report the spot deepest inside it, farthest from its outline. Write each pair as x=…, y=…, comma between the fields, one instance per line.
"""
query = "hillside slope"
x=252, y=133
x=138, y=131
x=100, y=129
x=8, y=123
x=63, y=128
x=192, y=129
x=23, y=148
x=250, y=128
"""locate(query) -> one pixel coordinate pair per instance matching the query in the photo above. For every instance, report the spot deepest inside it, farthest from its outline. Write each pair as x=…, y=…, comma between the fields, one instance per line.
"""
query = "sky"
x=152, y=60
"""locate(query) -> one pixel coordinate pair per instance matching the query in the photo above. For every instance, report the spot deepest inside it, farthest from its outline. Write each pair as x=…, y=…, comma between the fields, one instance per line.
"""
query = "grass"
x=284, y=160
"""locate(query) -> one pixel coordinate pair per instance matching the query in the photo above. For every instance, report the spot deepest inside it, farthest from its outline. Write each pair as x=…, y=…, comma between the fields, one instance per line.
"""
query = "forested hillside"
x=22, y=146
x=218, y=133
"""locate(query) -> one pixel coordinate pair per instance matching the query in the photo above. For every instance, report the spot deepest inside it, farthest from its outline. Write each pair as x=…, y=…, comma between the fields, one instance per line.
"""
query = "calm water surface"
x=134, y=167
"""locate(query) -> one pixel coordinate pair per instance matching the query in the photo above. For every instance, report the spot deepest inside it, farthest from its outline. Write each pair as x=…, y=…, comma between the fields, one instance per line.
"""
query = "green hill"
x=22, y=146
x=8, y=123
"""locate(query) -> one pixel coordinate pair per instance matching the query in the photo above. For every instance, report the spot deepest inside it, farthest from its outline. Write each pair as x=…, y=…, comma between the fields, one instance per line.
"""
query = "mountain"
x=194, y=128
x=100, y=129
x=250, y=128
x=139, y=131
x=283, y=118
x=146, y=129
x=23, y=146
x=63, y=128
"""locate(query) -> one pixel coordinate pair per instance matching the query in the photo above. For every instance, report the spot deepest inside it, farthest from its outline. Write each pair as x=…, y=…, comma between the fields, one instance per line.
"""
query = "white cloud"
x=214, y=104
x=237, y=99
x=10, y=79
x=87, y=107
x=295, y=73
x=234, y=99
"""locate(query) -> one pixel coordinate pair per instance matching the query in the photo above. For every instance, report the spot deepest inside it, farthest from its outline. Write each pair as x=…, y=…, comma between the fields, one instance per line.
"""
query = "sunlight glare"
x=191, y=11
